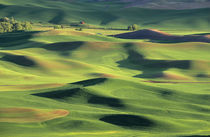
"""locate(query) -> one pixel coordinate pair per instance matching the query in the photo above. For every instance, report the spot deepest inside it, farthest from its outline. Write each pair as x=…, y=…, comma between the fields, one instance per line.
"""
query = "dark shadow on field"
x=161, y=91
x=150, y=68
x=107, y=101
x=63, y=94
x=90, y=82
x=66, y=95
x=21, y=40
x=64, y=48
x=19, y=60
x=128, y=121
x=18, y=40
x=203, y=76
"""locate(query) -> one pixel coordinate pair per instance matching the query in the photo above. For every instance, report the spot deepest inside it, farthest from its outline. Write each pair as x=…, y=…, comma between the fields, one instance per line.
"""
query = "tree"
x=130, y=28
x=18, y=26
x=11, y=25
x=134, y=27
x=7, y=27
x=12, y=20
x=57, y=27
x=27, y=25
x=1, y=28
x=4, y=19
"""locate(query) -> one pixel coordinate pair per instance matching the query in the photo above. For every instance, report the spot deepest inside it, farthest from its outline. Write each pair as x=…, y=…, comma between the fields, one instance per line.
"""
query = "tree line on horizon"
x=12, y=25
x=79, y=27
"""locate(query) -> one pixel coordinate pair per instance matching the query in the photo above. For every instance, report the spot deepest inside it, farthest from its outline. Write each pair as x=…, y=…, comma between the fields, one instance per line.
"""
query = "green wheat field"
x=100, y=79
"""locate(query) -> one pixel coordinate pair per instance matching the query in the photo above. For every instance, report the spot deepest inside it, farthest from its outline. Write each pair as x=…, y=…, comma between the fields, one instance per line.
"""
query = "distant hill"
x=106, y=13
x=162, y=4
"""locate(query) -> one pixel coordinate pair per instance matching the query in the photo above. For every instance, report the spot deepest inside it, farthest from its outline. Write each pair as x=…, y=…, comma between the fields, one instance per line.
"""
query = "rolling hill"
x=153, y=34
x=87, y=83
x=70, y=83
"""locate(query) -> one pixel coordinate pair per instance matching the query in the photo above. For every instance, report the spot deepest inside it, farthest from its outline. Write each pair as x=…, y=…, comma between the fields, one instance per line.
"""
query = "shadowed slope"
x=18, y=40
x=150, y=68
x=162, y=36
x=19, y=60
x=128, y=121
x=77, y=94
x=64, y=48
x=90, y=82
x=62, y=94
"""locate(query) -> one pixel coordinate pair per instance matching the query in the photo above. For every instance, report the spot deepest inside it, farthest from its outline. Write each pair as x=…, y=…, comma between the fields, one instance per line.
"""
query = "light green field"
x=68, y=83
x=39, y=71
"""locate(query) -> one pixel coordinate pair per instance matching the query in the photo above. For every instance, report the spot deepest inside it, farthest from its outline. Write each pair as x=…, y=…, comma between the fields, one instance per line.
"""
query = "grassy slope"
x=54, y=60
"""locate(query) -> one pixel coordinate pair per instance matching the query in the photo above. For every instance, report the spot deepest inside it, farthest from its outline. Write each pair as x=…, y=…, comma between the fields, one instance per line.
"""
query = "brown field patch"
x=171, y=76
x=30, y=115
x=62, y=32
x=29, y=87
x=99, y=46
